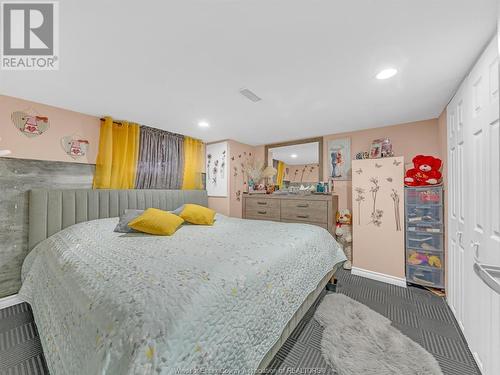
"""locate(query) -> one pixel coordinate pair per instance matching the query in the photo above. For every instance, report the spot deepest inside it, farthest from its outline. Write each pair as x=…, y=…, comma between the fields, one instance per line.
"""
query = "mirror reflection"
x=297, y=165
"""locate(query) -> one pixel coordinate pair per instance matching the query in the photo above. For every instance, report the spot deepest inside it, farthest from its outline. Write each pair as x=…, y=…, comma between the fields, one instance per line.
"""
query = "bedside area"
x=312, y=209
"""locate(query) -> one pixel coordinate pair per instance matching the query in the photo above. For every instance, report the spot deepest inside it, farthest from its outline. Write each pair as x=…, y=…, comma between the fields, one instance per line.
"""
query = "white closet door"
x=474, y=207
x=485, y=206
x=457, y=276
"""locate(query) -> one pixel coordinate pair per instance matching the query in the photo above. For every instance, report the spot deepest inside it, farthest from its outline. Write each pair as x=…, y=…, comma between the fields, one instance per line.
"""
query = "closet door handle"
x=459, y=236
x=475, y=245
x=262, y=212
x=262, y=203
x=485, y=274
x=302, y=216
x=302, y=205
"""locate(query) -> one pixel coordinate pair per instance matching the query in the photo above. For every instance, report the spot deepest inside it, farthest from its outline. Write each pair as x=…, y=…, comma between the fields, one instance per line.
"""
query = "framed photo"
x=376, y=149
x=339, y=154
x=217, y=166
x=387, y=148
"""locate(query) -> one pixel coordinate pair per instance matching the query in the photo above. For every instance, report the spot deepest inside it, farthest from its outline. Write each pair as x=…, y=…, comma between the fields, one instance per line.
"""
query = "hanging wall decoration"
x=30, y=123
x=339, y=153
x=216, y=165
x=75, y=146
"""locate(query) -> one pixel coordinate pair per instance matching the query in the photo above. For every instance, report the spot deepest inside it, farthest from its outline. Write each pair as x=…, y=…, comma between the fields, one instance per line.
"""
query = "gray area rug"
x=357, y=340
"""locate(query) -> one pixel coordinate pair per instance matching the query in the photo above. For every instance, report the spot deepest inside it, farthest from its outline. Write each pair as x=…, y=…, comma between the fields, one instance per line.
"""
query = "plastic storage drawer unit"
x=424, y=226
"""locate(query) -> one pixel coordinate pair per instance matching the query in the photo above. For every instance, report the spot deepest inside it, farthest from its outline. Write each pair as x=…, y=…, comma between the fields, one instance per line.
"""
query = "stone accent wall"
x=17, y=177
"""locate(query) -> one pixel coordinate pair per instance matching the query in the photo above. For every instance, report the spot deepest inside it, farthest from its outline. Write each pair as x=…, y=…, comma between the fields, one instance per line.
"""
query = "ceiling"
x=306, y=153
x=170, y=64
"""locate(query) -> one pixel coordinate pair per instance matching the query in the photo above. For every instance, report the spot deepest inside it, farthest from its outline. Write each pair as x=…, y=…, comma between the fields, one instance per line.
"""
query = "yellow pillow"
x=195, y=214
x=156, y=221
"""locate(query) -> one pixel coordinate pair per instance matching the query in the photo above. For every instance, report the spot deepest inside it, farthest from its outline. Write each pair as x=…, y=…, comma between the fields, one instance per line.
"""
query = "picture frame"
x=376, y=149
x=217, y=169
x=339, y=155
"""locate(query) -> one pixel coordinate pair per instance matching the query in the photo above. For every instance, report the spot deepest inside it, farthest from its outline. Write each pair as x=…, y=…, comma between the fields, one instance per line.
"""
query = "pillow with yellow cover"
x=155, y=221
x=195, y=214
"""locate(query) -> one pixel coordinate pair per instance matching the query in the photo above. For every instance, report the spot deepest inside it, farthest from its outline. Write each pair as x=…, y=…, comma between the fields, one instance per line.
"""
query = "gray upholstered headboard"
x=53, y=210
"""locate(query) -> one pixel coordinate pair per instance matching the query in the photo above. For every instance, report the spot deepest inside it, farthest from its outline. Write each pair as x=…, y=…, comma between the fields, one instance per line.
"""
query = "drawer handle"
x=262, y=203
x=302, y=216
x=262, y=212
x=302, y=205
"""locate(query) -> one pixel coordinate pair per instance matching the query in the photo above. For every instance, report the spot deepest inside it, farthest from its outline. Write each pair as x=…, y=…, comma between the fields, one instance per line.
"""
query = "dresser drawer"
x=262, y=213
x=262, y=208
x=304, y=210
x=258, y=203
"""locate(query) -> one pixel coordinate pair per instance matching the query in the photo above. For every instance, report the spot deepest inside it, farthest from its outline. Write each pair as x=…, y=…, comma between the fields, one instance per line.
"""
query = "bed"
x=207, y=298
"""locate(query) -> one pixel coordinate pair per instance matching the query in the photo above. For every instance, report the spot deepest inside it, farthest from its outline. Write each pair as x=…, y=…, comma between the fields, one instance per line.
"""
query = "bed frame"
x=50, y=211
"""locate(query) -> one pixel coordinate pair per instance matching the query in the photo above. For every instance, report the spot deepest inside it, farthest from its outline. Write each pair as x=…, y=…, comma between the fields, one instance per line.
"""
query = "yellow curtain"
x=280, y=174
x=193, y=164
x=116, y=163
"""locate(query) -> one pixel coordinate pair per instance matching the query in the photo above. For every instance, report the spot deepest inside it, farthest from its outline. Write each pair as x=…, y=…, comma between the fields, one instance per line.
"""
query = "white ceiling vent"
x=249, y=95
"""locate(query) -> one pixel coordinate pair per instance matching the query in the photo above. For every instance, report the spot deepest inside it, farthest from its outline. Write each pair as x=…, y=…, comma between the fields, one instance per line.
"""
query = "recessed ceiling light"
x=204, y=124
x=293, y=156
x=387, y=73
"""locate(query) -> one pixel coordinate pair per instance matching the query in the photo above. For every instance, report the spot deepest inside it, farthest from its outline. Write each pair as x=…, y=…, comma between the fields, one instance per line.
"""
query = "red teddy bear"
x=425, y=171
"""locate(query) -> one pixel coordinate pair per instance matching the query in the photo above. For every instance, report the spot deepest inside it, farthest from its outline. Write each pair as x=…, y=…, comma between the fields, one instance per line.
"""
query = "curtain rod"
x=121, y=123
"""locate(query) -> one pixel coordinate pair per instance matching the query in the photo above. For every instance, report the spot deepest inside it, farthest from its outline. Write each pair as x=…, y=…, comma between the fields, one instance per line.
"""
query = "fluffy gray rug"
x=357, y=340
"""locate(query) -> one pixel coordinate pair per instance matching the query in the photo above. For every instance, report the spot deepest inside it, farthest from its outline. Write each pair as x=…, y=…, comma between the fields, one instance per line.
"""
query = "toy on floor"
x=343, y=230
x=425, y=171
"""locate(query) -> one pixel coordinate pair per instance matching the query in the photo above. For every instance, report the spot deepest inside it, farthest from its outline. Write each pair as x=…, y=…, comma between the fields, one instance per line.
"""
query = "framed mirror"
x=297, y=162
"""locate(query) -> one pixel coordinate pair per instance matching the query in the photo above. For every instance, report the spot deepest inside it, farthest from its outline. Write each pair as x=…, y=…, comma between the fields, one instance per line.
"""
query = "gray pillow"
x=125, y=218
x=177, y=211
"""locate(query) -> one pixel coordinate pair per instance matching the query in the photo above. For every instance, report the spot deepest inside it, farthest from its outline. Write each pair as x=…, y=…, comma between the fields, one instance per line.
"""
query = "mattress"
x=208, y=298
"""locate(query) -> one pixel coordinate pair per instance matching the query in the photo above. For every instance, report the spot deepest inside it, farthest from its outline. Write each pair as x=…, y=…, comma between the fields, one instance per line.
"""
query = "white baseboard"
x=379, y=277
x=10, y=301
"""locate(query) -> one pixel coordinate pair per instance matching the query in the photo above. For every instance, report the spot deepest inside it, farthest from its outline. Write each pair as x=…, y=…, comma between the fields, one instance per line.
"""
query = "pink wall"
x=239, y=153
x=408, y=140
x=46, y=146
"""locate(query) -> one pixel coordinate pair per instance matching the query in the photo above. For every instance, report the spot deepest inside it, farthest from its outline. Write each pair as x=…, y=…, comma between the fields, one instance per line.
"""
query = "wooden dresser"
x=309, y=209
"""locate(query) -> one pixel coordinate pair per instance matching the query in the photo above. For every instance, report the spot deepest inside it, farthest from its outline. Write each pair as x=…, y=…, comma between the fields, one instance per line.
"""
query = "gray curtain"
x=161, y=160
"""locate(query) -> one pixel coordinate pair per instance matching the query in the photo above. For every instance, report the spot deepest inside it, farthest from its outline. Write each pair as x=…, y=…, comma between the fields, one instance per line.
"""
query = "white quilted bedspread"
x=205, y=299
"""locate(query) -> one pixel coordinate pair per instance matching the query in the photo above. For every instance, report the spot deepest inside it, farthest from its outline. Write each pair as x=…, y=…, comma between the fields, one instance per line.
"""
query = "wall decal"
x=75, y=145
x=395, y=198
x=239, y=170
x=339, y=152
x=360, y=197
x=217, y=183
x=30, y=123
x=376, y=214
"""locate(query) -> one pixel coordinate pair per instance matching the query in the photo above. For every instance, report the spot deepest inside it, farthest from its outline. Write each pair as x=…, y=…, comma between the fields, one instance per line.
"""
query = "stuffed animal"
x=344, y=235
x=425, y=171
